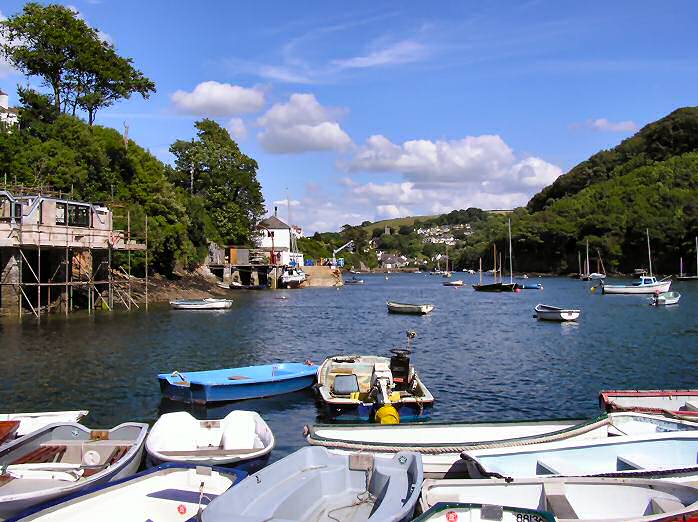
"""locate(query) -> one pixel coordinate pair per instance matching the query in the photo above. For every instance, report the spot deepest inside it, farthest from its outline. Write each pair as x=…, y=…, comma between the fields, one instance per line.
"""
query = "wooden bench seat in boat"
x=556, y=501
x=42, y=454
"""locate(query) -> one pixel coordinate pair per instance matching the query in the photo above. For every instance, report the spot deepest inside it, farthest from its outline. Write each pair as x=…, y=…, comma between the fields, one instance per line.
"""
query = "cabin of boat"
x=356, y=387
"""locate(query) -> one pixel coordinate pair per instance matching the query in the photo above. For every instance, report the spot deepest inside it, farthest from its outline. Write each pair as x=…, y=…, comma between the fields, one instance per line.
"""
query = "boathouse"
x=56, y=254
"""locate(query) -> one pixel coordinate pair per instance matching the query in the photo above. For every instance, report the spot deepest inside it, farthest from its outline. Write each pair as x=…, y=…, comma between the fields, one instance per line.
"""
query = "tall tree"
x=212, y=167
x=82, y=70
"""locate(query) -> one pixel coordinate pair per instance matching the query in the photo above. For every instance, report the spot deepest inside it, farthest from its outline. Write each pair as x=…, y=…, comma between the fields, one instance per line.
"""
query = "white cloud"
x=236, y=128
x=604, y=125
x=212, y=98
x=5, y=68
x=284, y=203
x=405, y=51
x=301, y=125
x=391, y=211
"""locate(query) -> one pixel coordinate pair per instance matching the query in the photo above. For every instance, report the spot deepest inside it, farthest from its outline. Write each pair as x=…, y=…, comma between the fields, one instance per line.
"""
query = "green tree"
x=224, y=177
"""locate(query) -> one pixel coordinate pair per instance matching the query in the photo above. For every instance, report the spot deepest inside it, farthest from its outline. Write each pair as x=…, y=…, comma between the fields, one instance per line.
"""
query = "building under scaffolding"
x=56, y=255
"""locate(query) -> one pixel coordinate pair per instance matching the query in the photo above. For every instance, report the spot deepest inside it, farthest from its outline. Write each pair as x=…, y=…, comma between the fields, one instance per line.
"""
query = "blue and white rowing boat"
x=168, y=492
x=234, y=384
x=669, y=455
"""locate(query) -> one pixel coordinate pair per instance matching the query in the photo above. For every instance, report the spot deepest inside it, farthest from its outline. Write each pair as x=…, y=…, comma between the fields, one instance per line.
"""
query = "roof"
x=273, y=222
x=3, y=92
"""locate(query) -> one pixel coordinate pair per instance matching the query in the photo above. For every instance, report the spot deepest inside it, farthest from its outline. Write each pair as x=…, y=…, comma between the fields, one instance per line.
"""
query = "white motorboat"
x=457, y=282
x=441, y=443
x=170, y=492
x=569, y=499
x=33, y=421
x=201, y=304
x=63, y=458
x=665, y=298
x=292, y=277
x=408, y=308
x=553, y=313
x=646, y=285
x=240, y=437
x=670, y=455
x=372, y=388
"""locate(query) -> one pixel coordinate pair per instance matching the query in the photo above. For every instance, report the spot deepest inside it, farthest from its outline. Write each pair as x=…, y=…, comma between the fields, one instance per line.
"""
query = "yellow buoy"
x=387, y=415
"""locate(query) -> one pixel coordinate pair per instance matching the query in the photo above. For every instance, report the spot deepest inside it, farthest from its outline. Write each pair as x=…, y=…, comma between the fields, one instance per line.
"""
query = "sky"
x=372, y=110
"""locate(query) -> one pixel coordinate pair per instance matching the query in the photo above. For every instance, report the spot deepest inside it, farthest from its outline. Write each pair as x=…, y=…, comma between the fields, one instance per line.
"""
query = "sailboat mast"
x=511, y=262
x=579, y=262
x=480, y=271
x=500, y=267
x=649, y=251
x=586, y=266
x=681, y=266
x=494, y=271
x=696, y=255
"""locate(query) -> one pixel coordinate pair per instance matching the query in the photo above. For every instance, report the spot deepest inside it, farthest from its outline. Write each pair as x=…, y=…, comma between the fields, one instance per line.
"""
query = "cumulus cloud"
x=212, y=98
x=604, y=125
x=302, y=124
x=285, y=203
x=5, y=68
x=236, y=128
x=391, y=211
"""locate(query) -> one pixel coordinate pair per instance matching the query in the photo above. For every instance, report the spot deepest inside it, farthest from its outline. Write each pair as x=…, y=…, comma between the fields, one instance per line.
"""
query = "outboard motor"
x=381, y=383
x=400, y=368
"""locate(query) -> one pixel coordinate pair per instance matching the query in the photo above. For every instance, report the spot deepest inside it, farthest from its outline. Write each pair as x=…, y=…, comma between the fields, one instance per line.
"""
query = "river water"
x=483, y=356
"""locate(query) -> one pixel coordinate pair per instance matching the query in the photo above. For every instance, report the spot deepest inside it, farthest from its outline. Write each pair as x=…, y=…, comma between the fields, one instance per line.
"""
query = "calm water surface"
x=483, y=356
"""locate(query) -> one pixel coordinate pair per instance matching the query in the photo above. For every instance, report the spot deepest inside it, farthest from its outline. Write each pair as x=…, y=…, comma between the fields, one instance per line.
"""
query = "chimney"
x=275, y=209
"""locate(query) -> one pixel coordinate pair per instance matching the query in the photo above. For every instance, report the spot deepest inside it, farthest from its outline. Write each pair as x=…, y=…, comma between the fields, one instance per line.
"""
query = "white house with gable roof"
x=9, y=116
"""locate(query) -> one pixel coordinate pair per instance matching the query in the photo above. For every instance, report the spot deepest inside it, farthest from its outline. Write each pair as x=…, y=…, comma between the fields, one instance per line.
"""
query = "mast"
x=500, y=267
x=681, y=266
x=579, y=263
x=649, y=251
x=480, y=271
x=511, y=255
x=586, y=266
x=696, y=256
x=494, y=271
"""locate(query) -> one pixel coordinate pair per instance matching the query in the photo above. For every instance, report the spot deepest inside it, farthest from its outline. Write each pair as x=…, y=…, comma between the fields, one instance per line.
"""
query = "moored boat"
x=530, y=286
x=574, y=498
x=669, y=455
x=496, y=287
x=454, y=511
x=292, y=277
x=241, y=439
x=201, y=304
x=32, y=421
x=457, y=282
x=646, y=285
x=354, y=281
x=409, y=308
x=312, y=484
x=63, y=458
x=553, y=313
x=373, y=388
x=441, y=443
x=675, y=402
x=665, y=298
x=169, y=492
x=234, y=384
x=685, y=277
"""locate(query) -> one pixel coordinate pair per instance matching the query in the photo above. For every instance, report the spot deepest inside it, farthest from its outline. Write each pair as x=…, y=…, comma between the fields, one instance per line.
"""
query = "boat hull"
x=216, y=386
x=203, y=304
x=662, y=286
x=413, y=309
x=29, y=422
x=366, y=412
x=552, y=313
x=675, y=402
x=497, y=287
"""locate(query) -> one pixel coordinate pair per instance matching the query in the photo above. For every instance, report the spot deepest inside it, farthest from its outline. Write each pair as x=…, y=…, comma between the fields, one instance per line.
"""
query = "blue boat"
x=234, y=384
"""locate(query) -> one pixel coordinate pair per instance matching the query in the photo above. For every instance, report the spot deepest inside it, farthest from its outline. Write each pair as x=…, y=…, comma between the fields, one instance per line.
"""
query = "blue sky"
x=369, y=110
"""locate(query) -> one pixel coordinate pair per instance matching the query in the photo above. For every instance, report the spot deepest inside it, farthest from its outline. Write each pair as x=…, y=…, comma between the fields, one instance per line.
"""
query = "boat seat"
x=553, y=466
x=345, y=385
x=41, y=455
x=690, y=406
x=556, y=501
x=637, y=461
x=115, y=456
x=661, y=505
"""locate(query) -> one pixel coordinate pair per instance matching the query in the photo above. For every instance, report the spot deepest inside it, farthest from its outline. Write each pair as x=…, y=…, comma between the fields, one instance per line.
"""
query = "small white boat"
x=170, y=492
x=673, y=402
x=553, y=313
x=457, y=282
x=568, y=499
x=646, y=285
x=33, y=421
x=441, y=443
x=314, y=485
x=292, y=277
x=407, y=308
x=242, y=437
x=665, y=298
x=670, y=455
x=63, y=458
x=470, y=512
x=201, y=304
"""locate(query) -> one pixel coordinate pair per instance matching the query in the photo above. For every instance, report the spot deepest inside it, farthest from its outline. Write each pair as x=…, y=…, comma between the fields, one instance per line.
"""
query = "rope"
x=438, y=450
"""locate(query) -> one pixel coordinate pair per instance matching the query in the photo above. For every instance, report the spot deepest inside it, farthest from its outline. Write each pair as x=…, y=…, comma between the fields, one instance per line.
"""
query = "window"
x=79, y=216
x=60, y=213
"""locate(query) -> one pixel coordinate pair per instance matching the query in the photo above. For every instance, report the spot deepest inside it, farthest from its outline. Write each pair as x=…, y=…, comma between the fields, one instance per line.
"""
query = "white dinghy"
x=201, y=304
x=170, y=492
x=33, y=421
x=659, y=455
x=242, y=437
x=665, y=298
x=407, y=308
x=312, y=485
x=441, y=443
x=61, y=459
x=588, y=499
x=553, y=313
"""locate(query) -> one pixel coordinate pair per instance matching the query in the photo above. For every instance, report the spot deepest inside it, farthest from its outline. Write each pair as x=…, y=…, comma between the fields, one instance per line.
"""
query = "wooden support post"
x=146, y=262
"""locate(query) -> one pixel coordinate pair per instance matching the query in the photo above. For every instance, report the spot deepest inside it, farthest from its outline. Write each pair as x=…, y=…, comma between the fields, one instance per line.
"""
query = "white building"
x=8, y=115
x=276, y=235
